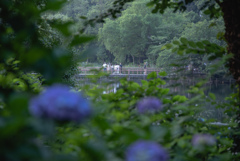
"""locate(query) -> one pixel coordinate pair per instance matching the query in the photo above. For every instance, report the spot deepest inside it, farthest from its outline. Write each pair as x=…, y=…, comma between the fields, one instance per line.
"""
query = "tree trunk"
x=133, y=58
x=231, y=11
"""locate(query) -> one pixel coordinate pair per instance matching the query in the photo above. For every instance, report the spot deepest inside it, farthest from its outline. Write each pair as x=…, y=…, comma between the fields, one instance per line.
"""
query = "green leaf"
x=175, y=50
x=179, y=98
x=176, y=42
x=165, y=91
x=212, y=96
x=163, y=47
x=150, y=4
x=152, y=75
x=188, y=51
x=165, y=101
x=192, y=44
x=206, y=42
x=212, y=24
x=184, y=40
x=135, y=85
x=220, y=36
x=168, y=46
x=144, y=83
x=207, y=12
x=163, y=74
x=200, y=45
x=83, y=17
x=54, y=5
x=180, y=52
x=77, y=40
x=63, y=28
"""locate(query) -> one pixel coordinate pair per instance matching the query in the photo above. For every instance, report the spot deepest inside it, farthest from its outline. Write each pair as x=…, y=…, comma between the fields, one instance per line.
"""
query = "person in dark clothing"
x=145, y=68
x=120, y=68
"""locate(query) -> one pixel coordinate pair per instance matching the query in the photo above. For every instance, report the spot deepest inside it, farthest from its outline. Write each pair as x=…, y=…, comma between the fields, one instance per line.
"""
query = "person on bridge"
x=108, y=68
x=112, y=68
x=104, y=67
x=120, y=68
x=145, y=68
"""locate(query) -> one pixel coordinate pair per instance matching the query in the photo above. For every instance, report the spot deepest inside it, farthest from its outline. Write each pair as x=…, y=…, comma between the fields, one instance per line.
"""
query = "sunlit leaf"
x=77, y=40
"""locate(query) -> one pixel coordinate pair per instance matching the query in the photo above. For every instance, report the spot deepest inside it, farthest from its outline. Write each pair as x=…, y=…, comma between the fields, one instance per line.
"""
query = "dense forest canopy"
x=137, y=35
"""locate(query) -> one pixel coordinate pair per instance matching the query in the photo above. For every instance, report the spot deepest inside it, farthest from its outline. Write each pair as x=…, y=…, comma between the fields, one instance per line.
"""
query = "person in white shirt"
x=112, y=68
x=104, y=66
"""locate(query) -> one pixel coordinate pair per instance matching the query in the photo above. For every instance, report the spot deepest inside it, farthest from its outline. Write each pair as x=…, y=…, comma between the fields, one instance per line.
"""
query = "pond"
x=179, y=86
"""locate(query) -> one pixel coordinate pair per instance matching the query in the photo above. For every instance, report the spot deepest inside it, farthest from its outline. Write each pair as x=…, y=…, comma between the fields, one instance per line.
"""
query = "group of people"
x=116, y=69
x=112, y=68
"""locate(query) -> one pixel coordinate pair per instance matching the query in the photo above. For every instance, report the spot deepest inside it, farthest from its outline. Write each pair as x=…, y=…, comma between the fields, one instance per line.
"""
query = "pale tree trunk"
x=133, y=58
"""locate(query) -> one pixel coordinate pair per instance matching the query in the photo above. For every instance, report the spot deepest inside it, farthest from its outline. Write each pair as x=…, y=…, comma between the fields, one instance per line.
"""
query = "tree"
x=128, y=37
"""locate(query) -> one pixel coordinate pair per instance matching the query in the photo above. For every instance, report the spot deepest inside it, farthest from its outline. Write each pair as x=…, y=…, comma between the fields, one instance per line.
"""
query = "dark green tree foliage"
x=127, y=37
x=28, y=58
x=153, y=31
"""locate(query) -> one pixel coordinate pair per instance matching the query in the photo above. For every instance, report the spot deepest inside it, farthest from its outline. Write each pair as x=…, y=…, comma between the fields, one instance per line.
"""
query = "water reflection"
x=219, y=90
x=112, y=88
x=181, y=87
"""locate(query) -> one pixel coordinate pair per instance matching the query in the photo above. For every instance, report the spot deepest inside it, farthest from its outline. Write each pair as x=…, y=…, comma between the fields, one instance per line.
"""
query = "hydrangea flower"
x=201, y=119
x=149, y=105
x=146, y=151
x=203, y=140
x=58, y=102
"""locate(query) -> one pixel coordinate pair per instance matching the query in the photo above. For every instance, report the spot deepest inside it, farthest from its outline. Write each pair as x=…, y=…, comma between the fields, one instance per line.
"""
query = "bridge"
x=130, y=70
x=139, y=73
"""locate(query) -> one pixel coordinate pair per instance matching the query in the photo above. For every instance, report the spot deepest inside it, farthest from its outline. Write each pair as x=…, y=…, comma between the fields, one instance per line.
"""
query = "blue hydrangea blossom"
x=146, y=151
x=58, y=102
x=149, y=105
x=203, y=140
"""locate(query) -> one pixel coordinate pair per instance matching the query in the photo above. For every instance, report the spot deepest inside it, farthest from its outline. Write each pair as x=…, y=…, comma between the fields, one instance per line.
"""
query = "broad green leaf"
x=150, y=4
x=163, y=47
x=135, y=85
x=179, y=98
x=212, y=24
x=77, y=40
x=200, y=45
x=165, y=91
x=168, y=46
x=180, y=52
x=165, y=101
x=63, y=28
x=192, y=44
x=207, y=12
x=206, y=42
x=83, y=17
x=152, y=75
x=212, y=96
x=184, y=40
x=220, y=36
x=144, y=83
x=163, y=74
x=175, y=50
x=54, y=5
x=176, y=42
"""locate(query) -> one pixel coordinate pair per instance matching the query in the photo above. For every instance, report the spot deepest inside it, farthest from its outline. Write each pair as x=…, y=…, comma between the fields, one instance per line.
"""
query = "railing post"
x=128, y=71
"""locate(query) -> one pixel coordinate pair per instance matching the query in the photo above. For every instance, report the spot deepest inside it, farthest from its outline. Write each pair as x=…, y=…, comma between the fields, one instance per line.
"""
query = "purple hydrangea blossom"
x=58, y=102
x=149, y=105
x=146, y=151
x=203, y=140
